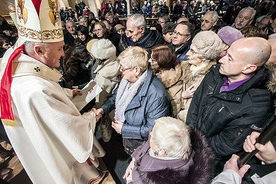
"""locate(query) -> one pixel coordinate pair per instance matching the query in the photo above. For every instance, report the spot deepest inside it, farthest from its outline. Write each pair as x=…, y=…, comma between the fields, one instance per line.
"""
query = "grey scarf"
x=125, y=94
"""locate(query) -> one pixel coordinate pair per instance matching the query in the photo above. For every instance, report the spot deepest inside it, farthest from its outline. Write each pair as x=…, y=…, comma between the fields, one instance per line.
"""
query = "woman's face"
x=168, y=37
x=6, y=45
x=154, y=65
x=128, y=73
x=193, y=56
x=81, y=36
x=99, y=31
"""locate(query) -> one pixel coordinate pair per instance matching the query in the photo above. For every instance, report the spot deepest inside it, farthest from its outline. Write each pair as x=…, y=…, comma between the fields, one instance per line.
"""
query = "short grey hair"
x=138, y=20
x=214, y=14
x=249, y=9
x=172, y=136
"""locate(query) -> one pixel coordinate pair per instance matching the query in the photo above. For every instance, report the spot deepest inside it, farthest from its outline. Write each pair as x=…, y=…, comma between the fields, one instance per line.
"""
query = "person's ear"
x=142, y=29
x=38, y=50
x=137, y=71
x=215, y=23
x=162, y=152
x=250, y=68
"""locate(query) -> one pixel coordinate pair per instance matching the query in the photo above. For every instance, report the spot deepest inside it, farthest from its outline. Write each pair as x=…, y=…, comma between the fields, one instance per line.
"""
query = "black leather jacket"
x=227, y=118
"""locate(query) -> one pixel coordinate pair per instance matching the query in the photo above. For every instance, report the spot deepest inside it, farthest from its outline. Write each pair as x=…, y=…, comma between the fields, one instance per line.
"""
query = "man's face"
x=180, y=35
x=232, y=63
x=161, y=22
x=70, y=27
x=109, y=18
x=206, y=22
x=243, y=19
x=134, y=33
x=263, y=23
x=52, y=53
x=83, y=22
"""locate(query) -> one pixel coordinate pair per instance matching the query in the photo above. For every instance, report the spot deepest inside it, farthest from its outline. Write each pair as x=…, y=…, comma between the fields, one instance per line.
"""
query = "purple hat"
x=229, y=34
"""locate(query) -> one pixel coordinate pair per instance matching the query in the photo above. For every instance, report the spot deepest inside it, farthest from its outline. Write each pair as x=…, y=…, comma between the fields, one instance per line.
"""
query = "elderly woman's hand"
x=117, y=125
x=189, y=92
x=128, y=173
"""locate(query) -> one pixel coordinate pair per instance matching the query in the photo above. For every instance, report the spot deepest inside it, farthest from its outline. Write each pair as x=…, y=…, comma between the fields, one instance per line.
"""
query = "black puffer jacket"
x=148, y=40
x=227, y=118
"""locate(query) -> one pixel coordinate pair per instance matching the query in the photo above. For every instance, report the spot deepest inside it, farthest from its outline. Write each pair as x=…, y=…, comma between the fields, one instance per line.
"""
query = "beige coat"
x=172, y=80
x=192, y=76
x=107, y=77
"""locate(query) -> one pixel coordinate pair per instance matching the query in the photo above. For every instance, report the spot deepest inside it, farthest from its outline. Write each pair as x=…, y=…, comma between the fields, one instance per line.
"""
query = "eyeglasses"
x=152, y=60
x=179, y=34
x=122, y=69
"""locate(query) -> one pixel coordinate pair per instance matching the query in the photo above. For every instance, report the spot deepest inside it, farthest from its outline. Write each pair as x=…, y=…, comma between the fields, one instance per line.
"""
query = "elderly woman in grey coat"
x=139, y=100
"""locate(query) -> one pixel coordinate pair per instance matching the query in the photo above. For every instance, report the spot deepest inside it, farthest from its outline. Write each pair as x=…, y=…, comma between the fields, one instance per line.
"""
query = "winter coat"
x=182, y=51
x=150, y=103
x=197, y=169
x=172, y=80
x=189, y=79
x=147, y=41
x=107, y=77
x=227, y=118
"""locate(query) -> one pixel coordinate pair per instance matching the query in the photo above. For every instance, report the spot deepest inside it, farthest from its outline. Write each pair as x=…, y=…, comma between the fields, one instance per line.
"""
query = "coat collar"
x=147, y=163
x=136, y=101
x=26, y=65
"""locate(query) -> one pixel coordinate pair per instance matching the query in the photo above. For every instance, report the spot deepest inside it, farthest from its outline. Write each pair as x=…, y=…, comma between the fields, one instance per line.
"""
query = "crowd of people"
x=187, y=91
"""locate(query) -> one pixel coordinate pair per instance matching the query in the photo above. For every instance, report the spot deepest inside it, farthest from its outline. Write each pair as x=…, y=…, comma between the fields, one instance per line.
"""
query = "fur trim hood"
x=170, y=77
x=271, y=85
x=188, y=76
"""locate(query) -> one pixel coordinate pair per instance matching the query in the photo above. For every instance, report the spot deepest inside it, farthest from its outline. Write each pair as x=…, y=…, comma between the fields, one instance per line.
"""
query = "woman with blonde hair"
x=206, y=47
x=139, y=100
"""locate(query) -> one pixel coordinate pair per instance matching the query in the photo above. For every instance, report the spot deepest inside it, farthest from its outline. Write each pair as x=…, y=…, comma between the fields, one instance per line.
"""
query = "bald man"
x=232, y=99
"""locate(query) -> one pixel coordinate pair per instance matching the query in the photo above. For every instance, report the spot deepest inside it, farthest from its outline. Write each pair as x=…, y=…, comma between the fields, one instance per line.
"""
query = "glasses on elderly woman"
x=123, y=69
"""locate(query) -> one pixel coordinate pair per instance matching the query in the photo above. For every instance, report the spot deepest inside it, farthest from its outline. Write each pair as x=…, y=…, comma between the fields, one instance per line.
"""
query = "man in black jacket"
x=138, y=35
x=232, y=99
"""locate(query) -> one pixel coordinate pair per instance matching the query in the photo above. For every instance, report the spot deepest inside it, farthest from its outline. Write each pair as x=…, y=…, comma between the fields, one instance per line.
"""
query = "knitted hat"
x=90, y=43
x=168, y=27
x=229, y=34
x=103, y=49
x=118, y=27
x=209, y=44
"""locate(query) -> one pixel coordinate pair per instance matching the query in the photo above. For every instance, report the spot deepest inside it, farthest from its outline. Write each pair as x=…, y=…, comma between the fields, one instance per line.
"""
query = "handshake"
x=98, y=112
